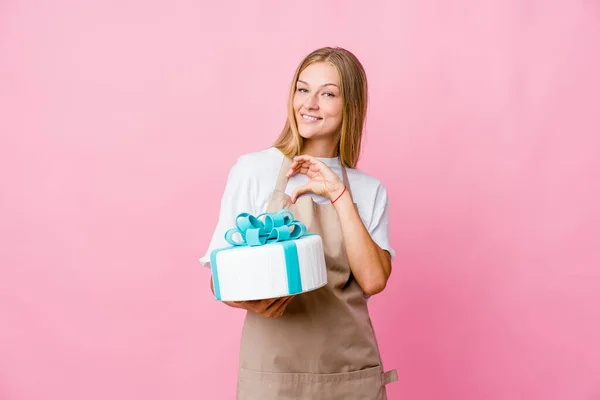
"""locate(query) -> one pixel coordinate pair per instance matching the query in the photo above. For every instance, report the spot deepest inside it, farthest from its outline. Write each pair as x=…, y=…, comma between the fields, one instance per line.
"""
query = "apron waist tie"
x=390, y=376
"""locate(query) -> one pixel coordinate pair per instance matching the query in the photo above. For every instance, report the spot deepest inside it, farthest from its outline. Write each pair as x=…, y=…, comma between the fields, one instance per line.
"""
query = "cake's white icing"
x=252, y=273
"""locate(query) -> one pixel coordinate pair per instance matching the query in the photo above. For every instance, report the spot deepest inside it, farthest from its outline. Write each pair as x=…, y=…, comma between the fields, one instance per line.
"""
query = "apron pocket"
x=367, y=384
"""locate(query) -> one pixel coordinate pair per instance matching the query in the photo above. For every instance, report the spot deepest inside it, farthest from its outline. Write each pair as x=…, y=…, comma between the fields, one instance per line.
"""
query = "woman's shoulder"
x=365, y=182
x=261, y=160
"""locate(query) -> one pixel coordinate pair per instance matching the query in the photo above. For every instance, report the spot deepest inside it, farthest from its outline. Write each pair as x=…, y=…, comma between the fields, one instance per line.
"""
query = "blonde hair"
x=353, y=88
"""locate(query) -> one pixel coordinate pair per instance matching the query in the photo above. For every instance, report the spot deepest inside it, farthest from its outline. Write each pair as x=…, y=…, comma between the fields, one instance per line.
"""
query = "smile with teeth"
x=309, y=118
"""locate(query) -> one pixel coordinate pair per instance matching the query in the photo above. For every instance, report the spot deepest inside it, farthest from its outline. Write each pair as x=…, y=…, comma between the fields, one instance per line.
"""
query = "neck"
x=321, y=148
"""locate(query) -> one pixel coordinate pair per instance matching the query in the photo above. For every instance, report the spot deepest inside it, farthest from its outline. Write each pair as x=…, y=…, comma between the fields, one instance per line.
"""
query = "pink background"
x=119, y=122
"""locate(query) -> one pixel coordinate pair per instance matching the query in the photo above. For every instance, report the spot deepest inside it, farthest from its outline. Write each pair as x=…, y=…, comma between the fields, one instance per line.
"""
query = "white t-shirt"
x=253, y=178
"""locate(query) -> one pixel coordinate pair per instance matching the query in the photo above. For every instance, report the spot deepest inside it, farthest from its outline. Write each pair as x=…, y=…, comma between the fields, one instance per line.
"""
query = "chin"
x=314, y=133
x=307, y=133
x=305, y=136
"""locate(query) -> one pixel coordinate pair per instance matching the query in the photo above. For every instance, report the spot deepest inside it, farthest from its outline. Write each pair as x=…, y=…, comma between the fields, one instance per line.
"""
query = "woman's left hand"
x=323, y=181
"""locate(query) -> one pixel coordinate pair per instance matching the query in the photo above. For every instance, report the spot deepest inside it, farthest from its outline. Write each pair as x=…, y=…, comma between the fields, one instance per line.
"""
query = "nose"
x=311, y=103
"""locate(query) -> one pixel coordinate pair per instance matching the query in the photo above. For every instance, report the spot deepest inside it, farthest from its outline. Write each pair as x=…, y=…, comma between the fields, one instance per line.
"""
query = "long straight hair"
x=353, y=88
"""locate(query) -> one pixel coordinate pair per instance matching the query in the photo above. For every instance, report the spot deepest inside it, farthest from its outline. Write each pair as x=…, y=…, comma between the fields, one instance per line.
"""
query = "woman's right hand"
x=269, y=308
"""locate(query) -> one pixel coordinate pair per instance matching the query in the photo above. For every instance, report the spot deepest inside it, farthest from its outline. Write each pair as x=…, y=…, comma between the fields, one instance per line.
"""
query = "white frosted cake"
x=271, y=270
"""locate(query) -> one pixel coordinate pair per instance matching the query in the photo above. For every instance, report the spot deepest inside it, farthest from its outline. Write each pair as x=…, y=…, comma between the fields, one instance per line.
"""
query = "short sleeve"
x=237, y=198
x=379, y=225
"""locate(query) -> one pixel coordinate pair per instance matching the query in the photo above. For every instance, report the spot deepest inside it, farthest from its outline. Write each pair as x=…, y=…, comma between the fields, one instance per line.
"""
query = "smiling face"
x=326, y=107
x=318, y=102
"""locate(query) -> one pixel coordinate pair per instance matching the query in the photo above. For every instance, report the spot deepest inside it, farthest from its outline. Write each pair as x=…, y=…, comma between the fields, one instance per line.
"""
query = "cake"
x=270, y=256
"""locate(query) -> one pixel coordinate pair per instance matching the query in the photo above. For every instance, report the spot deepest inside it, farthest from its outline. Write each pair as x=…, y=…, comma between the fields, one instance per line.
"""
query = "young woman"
x=320, y=344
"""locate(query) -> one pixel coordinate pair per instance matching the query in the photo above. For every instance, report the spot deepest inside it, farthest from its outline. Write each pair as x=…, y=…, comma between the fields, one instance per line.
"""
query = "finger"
x=298, y=166
x=287, y=301
x=279, y=311
x=306, y=158
x=273, y=307
x=294, y=168
x=281, y=306
x=312, y=162
x=237, y=304
x=257, y=306
x=303, y=169
x=299, y=191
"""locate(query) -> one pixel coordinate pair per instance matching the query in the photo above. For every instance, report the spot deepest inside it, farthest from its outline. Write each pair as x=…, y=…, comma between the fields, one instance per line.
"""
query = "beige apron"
x=323, y=346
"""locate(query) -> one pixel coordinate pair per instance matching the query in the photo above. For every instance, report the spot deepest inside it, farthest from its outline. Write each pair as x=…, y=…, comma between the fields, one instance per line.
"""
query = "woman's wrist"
x=337, y=193
x=343, y=200
x=336, y=196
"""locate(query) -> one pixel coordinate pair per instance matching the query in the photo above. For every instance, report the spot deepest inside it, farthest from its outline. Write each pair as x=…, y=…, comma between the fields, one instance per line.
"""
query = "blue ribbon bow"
x=278, y=226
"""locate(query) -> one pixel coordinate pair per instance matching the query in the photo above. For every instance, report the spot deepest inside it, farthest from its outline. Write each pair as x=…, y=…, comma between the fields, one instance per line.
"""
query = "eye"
x=302, y=90
x=329, y=94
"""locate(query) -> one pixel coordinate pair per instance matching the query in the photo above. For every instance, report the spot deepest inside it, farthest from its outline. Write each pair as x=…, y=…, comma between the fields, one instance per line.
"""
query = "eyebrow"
x=327, y=84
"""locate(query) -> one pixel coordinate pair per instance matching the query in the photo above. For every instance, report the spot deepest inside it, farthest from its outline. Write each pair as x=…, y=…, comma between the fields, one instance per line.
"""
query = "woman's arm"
x=370, y=265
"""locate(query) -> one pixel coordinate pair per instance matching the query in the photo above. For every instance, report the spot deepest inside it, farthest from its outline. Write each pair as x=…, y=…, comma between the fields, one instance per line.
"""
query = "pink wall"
x=118, y=125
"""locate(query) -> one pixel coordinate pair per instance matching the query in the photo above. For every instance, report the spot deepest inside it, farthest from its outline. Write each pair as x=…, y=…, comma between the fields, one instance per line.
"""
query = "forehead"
x=320, y=73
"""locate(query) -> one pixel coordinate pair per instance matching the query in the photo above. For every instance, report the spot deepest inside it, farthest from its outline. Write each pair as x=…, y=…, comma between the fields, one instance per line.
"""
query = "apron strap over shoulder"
x=282, y=178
